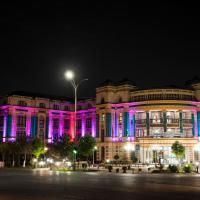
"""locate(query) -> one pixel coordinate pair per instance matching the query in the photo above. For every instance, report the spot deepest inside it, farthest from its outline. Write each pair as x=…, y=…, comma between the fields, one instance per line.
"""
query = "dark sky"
x=151, y=44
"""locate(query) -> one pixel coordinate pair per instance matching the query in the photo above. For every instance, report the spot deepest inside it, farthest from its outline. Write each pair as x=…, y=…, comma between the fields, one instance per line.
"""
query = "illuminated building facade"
x=125, y=120
x=47, y=117
x=145, y=123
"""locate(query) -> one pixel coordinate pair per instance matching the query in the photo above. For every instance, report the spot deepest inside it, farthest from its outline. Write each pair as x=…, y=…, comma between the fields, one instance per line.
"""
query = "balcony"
x=187, y=121
x=140, y=122
x=173, y=121
x=156, y=121
x=171, y=135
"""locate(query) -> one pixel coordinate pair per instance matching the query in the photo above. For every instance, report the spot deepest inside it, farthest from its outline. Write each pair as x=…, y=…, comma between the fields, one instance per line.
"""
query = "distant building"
x=125, y=120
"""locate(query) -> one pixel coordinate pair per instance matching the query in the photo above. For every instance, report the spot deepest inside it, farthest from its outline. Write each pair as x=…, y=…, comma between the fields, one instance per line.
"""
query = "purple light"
x=83, y=125
x=4, y=128
x=50, y=139
x=130, y=139
x=13, y=127
x=61, y=126
x=28, y=125
x=116, y=125
x=93, y=124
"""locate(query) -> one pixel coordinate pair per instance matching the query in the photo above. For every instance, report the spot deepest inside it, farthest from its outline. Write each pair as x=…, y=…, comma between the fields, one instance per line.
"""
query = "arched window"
x=102, y=100
x=42, y=105
x=22, y=103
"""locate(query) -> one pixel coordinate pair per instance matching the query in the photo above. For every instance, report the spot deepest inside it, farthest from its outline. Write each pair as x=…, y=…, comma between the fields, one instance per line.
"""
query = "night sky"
x=150, y=44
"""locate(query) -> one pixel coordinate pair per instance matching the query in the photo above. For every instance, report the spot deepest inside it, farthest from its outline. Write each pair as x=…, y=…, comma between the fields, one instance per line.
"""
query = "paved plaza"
x=43, y=185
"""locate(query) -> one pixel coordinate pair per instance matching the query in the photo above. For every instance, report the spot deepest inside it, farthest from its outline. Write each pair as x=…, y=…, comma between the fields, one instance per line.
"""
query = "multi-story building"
x=124, y=120
x=46, y=117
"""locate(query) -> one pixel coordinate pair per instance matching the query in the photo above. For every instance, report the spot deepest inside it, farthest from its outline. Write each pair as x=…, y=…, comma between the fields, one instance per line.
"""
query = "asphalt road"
x=40, y=185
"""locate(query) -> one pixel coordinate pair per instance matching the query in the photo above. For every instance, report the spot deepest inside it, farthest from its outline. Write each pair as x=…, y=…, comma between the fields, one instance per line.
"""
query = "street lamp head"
x=69, y=75
x=95, y=148
x=74, y=151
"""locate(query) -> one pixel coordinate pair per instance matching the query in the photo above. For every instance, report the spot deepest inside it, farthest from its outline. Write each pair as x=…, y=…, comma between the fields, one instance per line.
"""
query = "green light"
x=74, y=151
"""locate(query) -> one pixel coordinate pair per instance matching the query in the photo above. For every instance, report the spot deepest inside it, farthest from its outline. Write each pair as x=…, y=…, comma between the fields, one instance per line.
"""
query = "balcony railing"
x=156, y=121
x=171, y=135
x=187, y=121
x=140, y=121
x=173, y=121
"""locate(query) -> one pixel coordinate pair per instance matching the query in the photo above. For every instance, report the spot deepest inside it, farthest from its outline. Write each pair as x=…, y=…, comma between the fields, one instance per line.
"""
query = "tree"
x=178, y=149
x=61, y=148
x=25, y=148
x=14, y=150
x=37, y=147
x=116, y=158
x=3, y=150
x=65, y=146
x=86, y=145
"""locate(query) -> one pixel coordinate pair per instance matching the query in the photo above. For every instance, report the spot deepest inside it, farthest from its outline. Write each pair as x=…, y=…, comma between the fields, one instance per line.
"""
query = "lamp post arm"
x=81, y=82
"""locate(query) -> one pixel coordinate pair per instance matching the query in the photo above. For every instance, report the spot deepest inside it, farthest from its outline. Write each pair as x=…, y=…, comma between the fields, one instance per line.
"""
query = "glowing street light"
x=74, y=152
x=129, y=147
x=94, y=149
x=69, y=75
x=197, y=167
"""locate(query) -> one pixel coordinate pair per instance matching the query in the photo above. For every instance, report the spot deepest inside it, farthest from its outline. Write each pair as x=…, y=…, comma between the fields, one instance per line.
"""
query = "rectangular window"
x=55, y=123
x=21, y=121
x=20, y=135
x=1, y=121
x=88, y=123
x=78, y=124
x=66, y=123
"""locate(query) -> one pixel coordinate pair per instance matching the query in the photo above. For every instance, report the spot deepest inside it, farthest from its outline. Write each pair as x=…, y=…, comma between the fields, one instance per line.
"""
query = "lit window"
x=66, y=123
x=42, y=105
x=56, y=107
x=41, y=122
x=22, y=103
x=21, y=121
x=55, y=123
x=88, y=123
x=66, y=108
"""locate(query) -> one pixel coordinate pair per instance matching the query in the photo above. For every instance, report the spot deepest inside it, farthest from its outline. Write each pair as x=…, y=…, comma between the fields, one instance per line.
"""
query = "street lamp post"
x=69, y=75
x=94, y=149
x=197, y=167
x=74, y=152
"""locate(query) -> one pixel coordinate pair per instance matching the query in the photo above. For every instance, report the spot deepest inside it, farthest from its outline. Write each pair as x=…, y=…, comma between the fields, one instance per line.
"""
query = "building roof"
x=39, y=95
x=109, y=82
x=194, y=80
x=125, y=81
x=166, y=87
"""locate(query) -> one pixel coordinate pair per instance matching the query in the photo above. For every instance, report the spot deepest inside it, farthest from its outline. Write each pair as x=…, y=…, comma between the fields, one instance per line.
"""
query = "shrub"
x=84, y=165
x=110, y=168
x=173, y=168
x=187, y=168
x=124, y=169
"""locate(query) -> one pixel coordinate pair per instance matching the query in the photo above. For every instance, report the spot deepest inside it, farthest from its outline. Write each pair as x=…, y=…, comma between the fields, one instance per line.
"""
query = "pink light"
x=50, y=138
x=13, y=127
x=94, y=125
x=85, y=111
x=4, y=128
x=72, y=126
x=83, y=125
x=61, y=127
x=130, y=139
x=28, y=125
